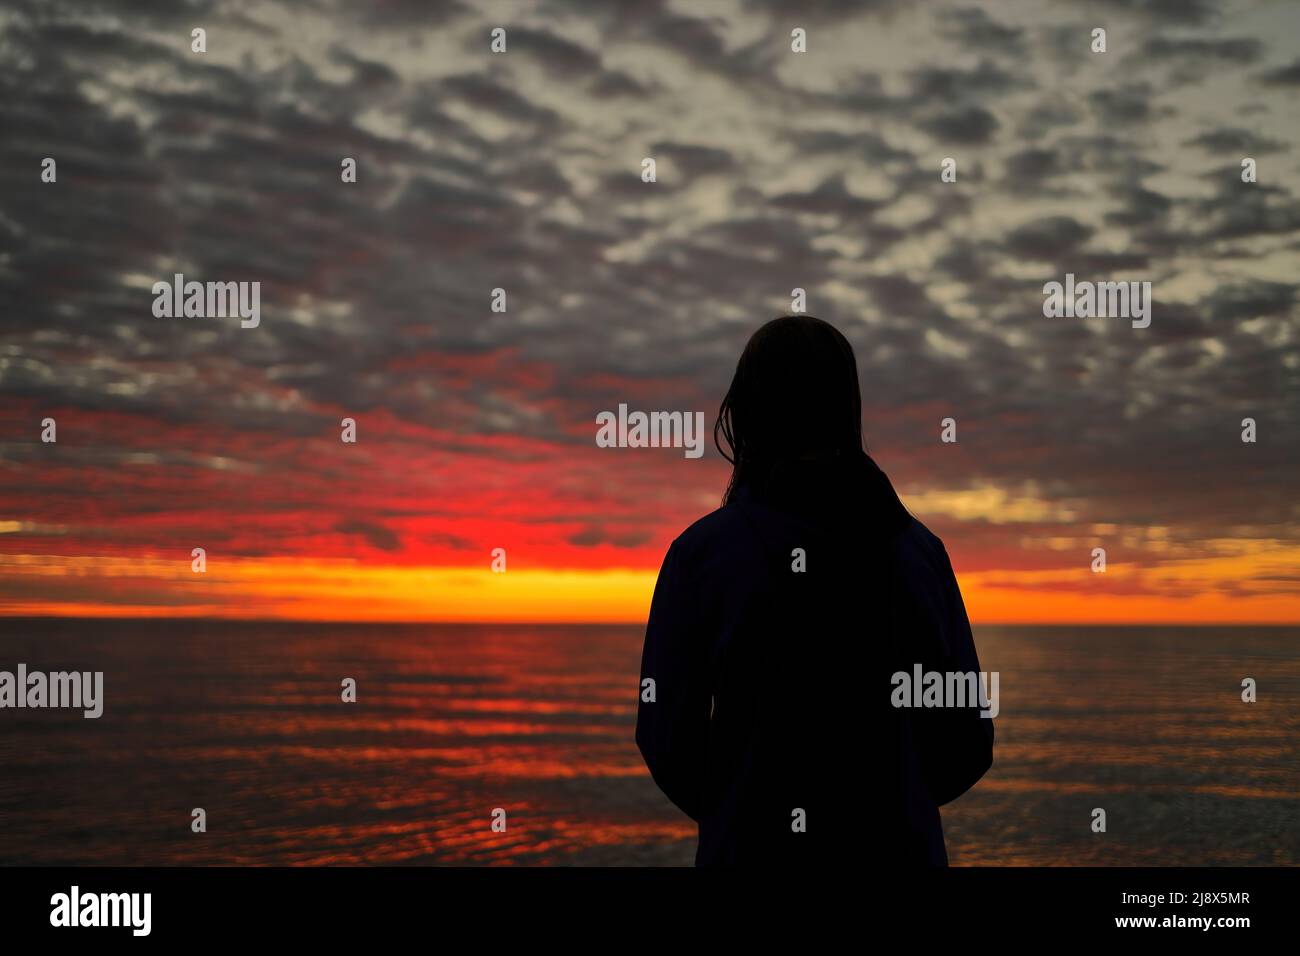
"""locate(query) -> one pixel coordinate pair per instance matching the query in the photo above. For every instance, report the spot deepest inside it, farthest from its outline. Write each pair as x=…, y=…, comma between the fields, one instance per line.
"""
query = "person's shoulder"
x=921, y=551
x=707, y=543
x=707, y=533
x=917, y=536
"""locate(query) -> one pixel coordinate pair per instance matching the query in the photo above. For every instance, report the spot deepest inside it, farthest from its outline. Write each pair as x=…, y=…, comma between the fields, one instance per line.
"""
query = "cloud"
x=1123, y=105
x=970, y=126
x=374, y=535
x=972, y=28
x=1282, y=76
x=1050, y=238
x=1235, y=140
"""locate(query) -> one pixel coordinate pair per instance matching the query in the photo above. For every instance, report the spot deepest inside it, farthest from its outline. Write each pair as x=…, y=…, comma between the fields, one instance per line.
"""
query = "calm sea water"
x=451, y=722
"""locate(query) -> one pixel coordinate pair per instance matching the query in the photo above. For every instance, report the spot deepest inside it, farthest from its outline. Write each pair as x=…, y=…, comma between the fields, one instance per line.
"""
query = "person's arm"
x=959, y=746
x=672, y=731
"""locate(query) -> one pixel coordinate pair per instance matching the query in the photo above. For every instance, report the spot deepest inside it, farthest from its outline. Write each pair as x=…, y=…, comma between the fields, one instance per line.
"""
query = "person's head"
x=794, y=399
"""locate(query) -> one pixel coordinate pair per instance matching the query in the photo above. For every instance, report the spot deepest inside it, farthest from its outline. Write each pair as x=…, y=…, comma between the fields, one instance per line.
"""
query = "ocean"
x=454, y=722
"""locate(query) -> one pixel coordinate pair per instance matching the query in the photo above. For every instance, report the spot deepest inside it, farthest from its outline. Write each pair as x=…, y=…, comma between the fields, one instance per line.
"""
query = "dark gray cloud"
x=1048, y=239
x=376, y=536
x=1174, y=12
x=1130, y=103
x=1229, y=140
x=973, y=28
x=1184, y=61
x=1283, y=76
x=971, y=125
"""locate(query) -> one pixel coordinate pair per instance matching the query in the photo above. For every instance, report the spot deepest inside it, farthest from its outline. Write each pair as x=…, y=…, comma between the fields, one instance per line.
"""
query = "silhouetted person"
x=772, y=723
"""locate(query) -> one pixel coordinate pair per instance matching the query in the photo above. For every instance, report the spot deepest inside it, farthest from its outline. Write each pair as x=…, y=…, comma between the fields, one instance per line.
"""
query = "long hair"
x=793, y=400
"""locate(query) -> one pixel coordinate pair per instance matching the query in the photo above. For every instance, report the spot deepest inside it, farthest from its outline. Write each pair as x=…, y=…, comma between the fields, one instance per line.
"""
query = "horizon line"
x=413, y=622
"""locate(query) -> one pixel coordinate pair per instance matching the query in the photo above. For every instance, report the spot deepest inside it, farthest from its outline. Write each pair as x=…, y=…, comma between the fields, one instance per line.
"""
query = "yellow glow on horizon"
x=327, y=590
x=1182, y=592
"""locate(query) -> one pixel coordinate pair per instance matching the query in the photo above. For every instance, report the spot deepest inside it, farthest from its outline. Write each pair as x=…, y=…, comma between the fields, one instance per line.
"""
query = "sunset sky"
x=476, y=430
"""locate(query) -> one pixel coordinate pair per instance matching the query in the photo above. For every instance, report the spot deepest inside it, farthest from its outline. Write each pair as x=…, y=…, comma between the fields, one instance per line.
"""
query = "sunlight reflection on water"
x=453, y=721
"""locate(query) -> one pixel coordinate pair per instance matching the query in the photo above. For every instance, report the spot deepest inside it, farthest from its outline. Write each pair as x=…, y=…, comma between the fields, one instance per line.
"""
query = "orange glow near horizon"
x=349, y=590
x=402, y=527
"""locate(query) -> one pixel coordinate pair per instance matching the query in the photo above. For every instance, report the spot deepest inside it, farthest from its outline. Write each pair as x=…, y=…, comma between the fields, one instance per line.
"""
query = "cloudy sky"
x=522, y=170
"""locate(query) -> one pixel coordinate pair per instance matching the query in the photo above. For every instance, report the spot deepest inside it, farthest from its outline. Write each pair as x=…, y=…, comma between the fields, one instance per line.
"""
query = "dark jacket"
x=772, y=686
